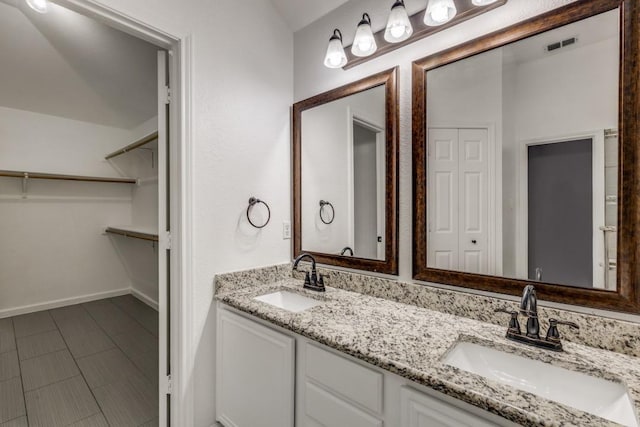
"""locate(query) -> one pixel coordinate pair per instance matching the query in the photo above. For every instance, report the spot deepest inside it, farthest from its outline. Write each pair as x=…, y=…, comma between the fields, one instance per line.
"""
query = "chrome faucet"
x=529, y=308
x=313, y=280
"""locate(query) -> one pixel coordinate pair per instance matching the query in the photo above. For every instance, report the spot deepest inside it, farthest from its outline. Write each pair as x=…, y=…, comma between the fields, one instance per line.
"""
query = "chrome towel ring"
x=324, y=203
x=252, y=202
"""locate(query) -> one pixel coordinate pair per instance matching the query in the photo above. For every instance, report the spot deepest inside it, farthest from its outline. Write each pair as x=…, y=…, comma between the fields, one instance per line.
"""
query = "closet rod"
x=139, y=143
x=38, y=175
x=134, y=234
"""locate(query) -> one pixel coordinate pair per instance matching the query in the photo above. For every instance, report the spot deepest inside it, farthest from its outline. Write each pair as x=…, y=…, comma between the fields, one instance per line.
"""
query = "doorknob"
x=474, y=241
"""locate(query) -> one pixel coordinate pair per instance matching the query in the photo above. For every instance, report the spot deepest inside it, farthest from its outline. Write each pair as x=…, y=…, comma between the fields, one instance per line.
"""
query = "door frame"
x=598, y=202
x=355, y=116
x=494, y=190
x=180, y=355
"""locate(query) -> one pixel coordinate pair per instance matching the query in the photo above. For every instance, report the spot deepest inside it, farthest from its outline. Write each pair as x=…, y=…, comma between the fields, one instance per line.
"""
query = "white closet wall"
x=140, y=257
x=53, y=251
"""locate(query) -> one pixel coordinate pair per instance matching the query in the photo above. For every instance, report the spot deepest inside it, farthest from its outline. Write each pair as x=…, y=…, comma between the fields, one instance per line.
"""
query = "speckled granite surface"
x=410, y=341
x=595, y=331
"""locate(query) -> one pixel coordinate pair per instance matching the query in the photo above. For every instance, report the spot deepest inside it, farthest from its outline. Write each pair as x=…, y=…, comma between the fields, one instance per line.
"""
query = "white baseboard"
x=145, y=298
x=32, y=308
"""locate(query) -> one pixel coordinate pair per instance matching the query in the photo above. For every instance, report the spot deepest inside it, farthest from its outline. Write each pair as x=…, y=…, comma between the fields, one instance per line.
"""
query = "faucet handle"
x=514, y=325
x=553, y=334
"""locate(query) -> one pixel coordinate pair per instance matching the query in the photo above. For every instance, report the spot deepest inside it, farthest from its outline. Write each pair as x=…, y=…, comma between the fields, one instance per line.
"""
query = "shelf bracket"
x=25, y=184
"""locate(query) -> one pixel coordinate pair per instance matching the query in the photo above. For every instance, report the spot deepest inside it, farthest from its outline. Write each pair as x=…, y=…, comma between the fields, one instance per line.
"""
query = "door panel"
x=473, y=200
x=458, y=212
x=443, y=185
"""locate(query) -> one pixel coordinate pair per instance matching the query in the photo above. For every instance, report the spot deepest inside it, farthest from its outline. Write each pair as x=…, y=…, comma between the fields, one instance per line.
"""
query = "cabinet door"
x=254, y=374
x=421, y=410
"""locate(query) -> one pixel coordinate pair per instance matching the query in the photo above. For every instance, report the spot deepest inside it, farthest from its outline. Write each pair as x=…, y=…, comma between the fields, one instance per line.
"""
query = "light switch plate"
x=286, y=230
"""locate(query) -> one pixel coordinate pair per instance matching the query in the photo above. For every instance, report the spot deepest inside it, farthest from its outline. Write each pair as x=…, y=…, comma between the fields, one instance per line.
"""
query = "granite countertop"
x=411, y=341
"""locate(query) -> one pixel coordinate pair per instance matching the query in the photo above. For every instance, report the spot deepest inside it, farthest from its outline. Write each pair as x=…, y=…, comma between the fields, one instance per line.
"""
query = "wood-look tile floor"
x=89, y=365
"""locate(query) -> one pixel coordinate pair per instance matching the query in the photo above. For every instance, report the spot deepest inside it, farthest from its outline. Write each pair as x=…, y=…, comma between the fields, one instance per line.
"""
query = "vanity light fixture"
x=401, y=29
x=439, y=12
x=335, y=57
x=364, y=44
x=40, y=6
x=399, y=26
x=482, y=2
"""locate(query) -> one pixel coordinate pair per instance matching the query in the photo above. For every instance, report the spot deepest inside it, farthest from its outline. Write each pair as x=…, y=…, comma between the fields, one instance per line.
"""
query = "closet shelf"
x=139, y=143
x=39, y=175
x=133, y=232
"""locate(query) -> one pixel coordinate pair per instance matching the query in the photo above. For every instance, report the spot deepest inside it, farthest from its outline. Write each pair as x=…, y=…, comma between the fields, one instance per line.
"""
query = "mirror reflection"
x=522, y=158
x=343, y=145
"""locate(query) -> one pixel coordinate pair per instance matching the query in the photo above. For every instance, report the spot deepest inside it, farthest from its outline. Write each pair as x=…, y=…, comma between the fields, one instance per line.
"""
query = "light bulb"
x=398, y=25
x=439, y=12
x=334, y=60
x=40, y=6
x=482, y=2
x=364, y=44
x=335, y=56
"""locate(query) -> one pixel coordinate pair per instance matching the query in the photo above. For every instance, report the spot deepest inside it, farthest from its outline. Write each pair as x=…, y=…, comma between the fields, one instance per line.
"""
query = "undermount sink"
x=289, y=301
x=606, y=399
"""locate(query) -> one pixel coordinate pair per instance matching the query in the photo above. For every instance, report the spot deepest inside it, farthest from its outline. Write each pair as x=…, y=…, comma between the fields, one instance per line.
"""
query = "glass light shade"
x=364, y=44
x=439, y=12
x=398, y=25
x=482, y=2
x=335, y=56
x=40, y=6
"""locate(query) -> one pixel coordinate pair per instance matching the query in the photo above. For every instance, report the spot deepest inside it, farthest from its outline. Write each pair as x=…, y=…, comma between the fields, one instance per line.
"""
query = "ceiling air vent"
x=559, y=45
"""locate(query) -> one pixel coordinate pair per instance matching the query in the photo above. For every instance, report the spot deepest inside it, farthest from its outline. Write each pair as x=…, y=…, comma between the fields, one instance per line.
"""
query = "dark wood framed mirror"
x=345, y=175
x=546, y=191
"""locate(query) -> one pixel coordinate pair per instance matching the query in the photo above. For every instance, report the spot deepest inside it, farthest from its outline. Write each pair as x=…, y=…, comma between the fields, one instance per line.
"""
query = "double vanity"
x=342, y=358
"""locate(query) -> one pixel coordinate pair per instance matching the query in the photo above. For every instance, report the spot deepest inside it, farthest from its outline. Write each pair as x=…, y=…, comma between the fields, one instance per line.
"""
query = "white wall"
x=326, y=168
x=139, y=257
x=241, y=78
x=52, y=243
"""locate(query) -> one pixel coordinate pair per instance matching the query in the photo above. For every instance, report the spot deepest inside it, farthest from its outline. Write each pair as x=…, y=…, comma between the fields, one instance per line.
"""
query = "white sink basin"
x=289, y=301
x=606, y=399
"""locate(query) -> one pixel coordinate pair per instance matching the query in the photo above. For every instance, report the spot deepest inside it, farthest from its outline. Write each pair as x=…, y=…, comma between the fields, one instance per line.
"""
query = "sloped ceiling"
x=64, y=64
x=300, y=13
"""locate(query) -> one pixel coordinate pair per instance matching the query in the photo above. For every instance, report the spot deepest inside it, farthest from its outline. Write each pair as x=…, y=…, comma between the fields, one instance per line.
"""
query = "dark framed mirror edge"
x=626, y=298
x=388, y=78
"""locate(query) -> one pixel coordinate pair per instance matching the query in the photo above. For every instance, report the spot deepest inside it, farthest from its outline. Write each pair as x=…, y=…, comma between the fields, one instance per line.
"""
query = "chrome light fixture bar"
x=402, y=29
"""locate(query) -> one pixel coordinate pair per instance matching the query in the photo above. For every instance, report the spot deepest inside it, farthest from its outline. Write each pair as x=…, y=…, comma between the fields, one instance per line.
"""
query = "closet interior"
x=79, y=221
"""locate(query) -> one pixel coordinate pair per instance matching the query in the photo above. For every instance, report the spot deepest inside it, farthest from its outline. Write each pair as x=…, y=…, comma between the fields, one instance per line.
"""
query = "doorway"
x=107, y=311
x=366, y=193
x=560, y=212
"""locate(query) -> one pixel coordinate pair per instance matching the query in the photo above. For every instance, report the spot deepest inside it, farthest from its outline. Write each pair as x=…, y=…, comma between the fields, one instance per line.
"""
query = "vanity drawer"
x=330, y=411
x=344, y=377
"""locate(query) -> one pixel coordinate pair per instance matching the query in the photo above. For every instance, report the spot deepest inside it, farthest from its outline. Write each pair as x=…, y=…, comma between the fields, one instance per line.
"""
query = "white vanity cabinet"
x=421, y=410
x=255, y=376
x=254, y=373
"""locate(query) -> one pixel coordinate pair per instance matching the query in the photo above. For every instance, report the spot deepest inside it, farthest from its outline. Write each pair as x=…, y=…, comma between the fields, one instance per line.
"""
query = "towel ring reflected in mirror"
x=324, y=203
x=252, y=202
